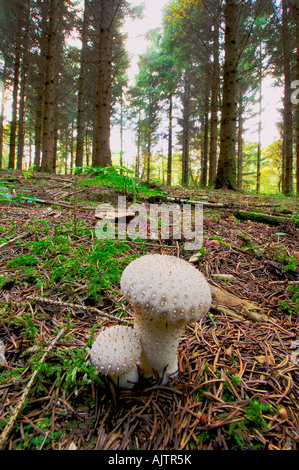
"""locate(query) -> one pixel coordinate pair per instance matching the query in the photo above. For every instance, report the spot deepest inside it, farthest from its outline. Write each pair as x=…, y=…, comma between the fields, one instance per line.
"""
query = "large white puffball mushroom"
x=115, y=352
x=166, y=292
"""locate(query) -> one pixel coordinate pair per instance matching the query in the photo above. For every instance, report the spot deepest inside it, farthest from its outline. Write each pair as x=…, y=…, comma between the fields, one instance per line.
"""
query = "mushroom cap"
x=167, y=288
x=116, y=350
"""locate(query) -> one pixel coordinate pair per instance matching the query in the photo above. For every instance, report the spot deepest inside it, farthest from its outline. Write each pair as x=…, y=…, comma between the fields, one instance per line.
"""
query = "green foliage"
x=254, y=414
x=294, y=293
x=69, y=367
x=22, y=260
x=120, y=179
x=290, y=263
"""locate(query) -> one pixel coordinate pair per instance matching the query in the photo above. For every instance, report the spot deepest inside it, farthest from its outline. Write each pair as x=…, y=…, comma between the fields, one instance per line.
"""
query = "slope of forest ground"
x=238, y=384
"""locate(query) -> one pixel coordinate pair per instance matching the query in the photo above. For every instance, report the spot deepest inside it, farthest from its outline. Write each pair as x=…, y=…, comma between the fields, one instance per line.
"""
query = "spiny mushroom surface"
x=166, y=292
x=115, y=352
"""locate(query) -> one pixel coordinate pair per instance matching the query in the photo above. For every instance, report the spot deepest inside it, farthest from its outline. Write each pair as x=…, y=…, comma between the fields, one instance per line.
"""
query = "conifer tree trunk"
x=205, y=124
x=40, y=86
x=226, y=171
x=287, y=108
x=2, y=95
x=240, y=144
x=23, y=77
x=259, y=143
x=80, y=112
x=169, y=156
x=102, y=154
x=16, y=83
x=214, y=100
x=185, y=150
x=297, y=107
x=48, y=121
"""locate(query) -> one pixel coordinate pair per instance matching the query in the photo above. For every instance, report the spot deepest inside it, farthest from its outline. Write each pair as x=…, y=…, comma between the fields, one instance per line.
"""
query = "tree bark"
x=186, y=112
x=48, y=131
x=102, y=155
x=80, y=112
x=40, y=86
x=259, y=143
x=2, y=93
x=240, y=144
x=23, y=77
x=169, y=156
x=214, y=101
x=226, y=171
x=297, y=107
x=205, y=148
x=16, y=82
x=287, y=108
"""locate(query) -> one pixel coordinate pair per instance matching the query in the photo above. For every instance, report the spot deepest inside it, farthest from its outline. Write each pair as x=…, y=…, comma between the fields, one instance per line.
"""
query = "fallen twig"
x=264, y=218
x=230, y=302
x=79, y=307
x=24, y=235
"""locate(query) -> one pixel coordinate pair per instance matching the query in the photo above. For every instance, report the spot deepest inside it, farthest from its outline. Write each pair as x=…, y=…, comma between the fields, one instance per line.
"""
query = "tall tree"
x=226, y=171
x=51, y=13
x=102, y=154
x=19, y=16
x=23, y=86
x=82, y=78
x=287, y=103
x=296, y=13
x=259, y=143
x=214, y=98
x=185, y=130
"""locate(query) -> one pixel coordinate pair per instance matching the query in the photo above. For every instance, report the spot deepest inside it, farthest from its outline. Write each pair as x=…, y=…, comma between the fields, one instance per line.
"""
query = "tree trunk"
x=186, y=112
x=226, y=171
x=16, y=82
x=259, y=143
x=204, y=166
x=56, y=136
x=240, y=144
x=148, y=158
x=2, y=93
x=40, y=86
x=169, y=156
x=102, y=155
x=24, y=72
x=48, y=133
x=214, y=101
x=80, y=112
x=287, y=108
x=297, y=107
x=137, y=163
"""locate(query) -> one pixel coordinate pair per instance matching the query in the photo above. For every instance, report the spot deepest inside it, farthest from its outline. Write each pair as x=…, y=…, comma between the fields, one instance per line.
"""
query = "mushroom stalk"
x=166, y=293
x=159, y=341
x=126, y=380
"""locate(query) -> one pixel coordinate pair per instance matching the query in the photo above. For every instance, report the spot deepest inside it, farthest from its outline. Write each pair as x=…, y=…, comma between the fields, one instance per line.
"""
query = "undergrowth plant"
x=119, y=178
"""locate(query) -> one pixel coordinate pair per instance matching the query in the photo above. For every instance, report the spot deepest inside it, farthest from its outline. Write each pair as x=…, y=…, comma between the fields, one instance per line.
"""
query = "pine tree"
x=226, y=171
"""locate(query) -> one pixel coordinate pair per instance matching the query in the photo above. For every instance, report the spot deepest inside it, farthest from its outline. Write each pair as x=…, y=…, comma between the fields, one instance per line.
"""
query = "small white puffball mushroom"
x=166, y=293
x=115, y=352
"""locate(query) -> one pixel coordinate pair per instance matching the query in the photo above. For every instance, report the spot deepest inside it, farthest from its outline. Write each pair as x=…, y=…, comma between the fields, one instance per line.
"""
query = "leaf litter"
x=238, y=384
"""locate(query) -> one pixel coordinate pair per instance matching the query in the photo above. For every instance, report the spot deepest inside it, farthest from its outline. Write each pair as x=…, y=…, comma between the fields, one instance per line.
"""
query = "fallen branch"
x=224, y=301
x=48, y=203
x=203, y=203
x=264, y=218
x=79, y=307
x=24, y=235
x=7, y=430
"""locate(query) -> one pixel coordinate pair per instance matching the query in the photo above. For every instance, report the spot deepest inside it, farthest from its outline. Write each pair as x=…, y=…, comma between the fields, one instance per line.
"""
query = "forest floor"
x=238, y=382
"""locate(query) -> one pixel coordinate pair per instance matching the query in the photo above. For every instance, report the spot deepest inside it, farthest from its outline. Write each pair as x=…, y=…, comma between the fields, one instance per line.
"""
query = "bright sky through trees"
x=136, y=43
